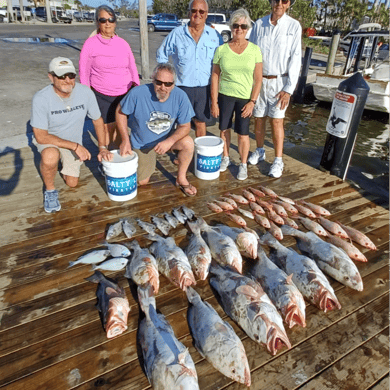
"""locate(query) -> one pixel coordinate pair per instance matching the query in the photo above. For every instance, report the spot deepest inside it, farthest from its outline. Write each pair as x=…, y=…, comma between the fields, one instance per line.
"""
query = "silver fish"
x=115, y=264
x=189, y=213
x=114, y=230
x=223, y=249
x=128, y=228
x=117, y=250
x=280, y=289
x=112, y=303
x=216, y=340
x=181, y=217
x=142, y=267
x=306, y=275
x=172, y=261
x=93, y=257
x=148, y=227
x=171, y=220
x=161, y=225
x=198, y=253
x=246, y=213
x=332, y=260
x=244, y=301
x=167, y=362
x=246, y=241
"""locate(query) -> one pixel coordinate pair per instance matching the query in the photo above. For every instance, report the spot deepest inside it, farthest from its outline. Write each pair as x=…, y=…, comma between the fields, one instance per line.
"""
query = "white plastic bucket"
x=208, y=157
x=121, y=176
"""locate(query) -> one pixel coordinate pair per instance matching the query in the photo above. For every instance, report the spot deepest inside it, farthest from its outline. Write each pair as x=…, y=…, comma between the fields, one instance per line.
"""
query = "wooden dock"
x=51, y=336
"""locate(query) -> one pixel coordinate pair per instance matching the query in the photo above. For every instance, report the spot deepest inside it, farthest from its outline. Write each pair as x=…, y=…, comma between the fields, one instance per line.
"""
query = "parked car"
x=57, y=15
x=3, y=15
x=89, y=16
x=165, y=22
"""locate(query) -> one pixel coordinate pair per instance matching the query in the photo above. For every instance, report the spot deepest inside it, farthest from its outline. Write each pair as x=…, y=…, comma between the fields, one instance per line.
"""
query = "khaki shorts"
x=70, y=161
x=146, y=163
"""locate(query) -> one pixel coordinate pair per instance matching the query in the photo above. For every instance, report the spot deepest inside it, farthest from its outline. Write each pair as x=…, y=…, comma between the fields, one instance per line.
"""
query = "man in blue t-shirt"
x=151, y=111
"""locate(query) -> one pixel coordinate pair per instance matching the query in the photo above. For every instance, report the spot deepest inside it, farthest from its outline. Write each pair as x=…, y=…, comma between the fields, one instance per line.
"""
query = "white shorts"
x=266, y=104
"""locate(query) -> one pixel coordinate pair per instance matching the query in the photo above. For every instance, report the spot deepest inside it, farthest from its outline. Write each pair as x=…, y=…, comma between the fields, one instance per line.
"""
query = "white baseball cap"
x=61, y=65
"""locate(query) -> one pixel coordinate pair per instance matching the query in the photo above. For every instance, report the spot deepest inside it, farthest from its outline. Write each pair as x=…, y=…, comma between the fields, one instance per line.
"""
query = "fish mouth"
x=327, y=302
x=186, y=280
x=277, y=340
x=293, y=316
x=237, y=265
x=115, y=328
x=153, y=278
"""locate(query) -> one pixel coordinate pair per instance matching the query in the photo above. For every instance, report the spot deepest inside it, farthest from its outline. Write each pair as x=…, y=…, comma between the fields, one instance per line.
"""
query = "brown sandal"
x=185, y=188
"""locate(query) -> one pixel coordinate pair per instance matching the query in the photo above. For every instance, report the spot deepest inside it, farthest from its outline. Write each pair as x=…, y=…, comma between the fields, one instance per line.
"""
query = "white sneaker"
x=276, y=169
x=242, y=172
x=257, y=156
x=224, y=164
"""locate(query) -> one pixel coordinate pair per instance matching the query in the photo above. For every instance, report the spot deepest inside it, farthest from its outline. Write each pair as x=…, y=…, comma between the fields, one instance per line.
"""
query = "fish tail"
x=267, y=239
x=194, y=226
x=152, y=236
x=146, y=298
x=97, y=277
x=289, y=231
x=71, y=264
x=192, y=295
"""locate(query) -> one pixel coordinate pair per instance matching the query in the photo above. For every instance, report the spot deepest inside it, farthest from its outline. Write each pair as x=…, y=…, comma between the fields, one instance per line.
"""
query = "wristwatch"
x=253, y=101
x=102, y=147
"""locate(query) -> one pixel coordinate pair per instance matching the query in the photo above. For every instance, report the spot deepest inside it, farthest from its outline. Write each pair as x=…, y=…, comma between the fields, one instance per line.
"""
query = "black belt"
x=274, y=77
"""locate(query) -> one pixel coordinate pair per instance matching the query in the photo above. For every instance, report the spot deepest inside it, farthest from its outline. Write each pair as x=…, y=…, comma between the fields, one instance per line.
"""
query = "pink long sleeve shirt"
x=108, y=65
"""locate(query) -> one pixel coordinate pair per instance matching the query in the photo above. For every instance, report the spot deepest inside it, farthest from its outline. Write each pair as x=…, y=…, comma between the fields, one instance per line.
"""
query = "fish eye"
x=256, y=336
x=233, y=371
x=346, y=277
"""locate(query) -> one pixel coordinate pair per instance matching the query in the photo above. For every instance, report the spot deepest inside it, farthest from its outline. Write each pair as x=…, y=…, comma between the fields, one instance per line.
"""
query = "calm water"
x=305, y=137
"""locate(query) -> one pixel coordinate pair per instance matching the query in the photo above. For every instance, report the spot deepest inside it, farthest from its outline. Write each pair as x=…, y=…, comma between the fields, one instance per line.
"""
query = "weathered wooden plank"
x=73, y=341
x=359, y=369
x=382, y=384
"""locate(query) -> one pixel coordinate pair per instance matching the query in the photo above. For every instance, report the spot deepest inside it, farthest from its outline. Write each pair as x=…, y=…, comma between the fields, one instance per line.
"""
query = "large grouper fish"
x=112, y=304
x=245, y=302
x=306, y=275
x=168, y=364
x=329, y=258
x=216, y=340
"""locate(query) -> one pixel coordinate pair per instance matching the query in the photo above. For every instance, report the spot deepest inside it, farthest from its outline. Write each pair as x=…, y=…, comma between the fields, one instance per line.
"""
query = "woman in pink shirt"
x=107, y=65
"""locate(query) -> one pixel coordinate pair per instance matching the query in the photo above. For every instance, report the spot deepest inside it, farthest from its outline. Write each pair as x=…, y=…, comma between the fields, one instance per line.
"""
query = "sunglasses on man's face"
x=283, y=1
x=104, y=20
x=71, y=76
x=166, y=83
x=237, y=26
x=201, y=11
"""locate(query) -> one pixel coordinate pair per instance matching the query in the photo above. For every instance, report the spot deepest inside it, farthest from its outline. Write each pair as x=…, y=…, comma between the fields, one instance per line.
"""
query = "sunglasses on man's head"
x=283, y=1
x=166, y=83
x=64, y=76
x=201, y=11
x=104, y=20
x=243, y=26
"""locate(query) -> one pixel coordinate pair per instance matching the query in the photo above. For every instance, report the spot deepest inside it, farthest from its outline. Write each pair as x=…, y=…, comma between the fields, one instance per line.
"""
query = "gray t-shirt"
x=64, y=118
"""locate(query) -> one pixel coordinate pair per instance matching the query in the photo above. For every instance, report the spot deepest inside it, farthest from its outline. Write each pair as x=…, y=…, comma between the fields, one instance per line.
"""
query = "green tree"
x=256, y=8
x=304, y=13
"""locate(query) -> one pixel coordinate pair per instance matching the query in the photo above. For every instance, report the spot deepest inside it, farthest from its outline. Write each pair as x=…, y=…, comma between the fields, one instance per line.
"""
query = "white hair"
x=238, y=15
x=164, y=66
x=192, y=2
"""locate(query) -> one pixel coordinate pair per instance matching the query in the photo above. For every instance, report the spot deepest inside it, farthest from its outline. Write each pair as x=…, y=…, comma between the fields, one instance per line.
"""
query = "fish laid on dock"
x=117, y=250
x=114, y=230
x=161, y=224
x=171, y=220
x=225, y=206
x=290, y=222
x=94, y=257
x=236, y=218
x=115, y=264
x=229, y=200
x=288, y=206
x=316, y=208
x=256, y=208
x=223, y=249
x=313, y=226
x=148, y=227
x=306, y=275
x=167, y=362
x=112, y=304
x=359, y=237
x=216, y=340
x=333, y=227
x=274, y=217
x=351, y=250
x=198, y=253
x=280, y=289
x=189, y=213
x=180, y=216
x=287, y=200
x=279, y=209
x=268, y=191
x=142, y=267
x=249, y=195
x=245, y=302
x=214, y=207
x=245, y=213
x=329, y=258
x=172, y=261
x=275, y=231
x=128, y=228
x=305, y=211
x=262, y=221
x=246, y=241
x=238, y=198
x=257, y=192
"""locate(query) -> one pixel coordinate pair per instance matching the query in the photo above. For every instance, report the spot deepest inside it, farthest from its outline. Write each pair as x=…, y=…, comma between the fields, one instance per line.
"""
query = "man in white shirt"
x=279, y=38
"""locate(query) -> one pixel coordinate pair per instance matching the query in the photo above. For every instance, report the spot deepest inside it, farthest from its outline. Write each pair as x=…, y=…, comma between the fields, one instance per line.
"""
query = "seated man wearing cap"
x=57, y=118
x=151, y=111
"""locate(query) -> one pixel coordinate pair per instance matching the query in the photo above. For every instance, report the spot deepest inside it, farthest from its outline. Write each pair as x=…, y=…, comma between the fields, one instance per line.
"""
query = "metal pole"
x=300, y=92
x=359, y=54
x=143, y=33
x=332, y=52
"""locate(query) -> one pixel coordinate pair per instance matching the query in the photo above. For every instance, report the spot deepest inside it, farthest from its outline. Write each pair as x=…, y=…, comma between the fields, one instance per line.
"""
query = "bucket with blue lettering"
x=121, y=176
x=208, y=157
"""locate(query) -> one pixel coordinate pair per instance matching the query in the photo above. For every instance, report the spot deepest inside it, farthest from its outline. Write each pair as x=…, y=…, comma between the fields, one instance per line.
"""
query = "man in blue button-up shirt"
x=192, y=48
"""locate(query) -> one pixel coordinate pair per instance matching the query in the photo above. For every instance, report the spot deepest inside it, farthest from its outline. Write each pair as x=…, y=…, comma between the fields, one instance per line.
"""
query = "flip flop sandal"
x=185, y=188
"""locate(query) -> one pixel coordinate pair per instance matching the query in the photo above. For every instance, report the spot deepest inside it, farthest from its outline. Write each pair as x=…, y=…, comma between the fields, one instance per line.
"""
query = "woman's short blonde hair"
x=238, y=15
